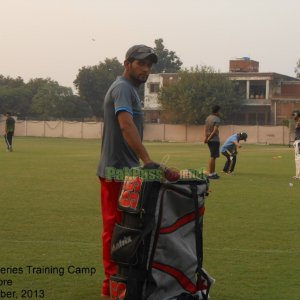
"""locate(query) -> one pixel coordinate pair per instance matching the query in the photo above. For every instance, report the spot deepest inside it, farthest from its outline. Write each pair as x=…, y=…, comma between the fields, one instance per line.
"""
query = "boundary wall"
x=152, y=132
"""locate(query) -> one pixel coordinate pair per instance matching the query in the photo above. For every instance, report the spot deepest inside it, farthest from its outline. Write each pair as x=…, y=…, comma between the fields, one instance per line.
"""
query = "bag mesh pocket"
x=124, y=245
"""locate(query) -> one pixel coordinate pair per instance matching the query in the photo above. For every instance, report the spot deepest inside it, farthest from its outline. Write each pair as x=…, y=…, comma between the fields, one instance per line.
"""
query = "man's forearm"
x=132, y=136
x=214, y=132
x=133, y=139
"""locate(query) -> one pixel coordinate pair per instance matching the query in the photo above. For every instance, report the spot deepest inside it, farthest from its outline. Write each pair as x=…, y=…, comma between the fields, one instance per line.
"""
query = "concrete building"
x=269, y=98
x=152, y=108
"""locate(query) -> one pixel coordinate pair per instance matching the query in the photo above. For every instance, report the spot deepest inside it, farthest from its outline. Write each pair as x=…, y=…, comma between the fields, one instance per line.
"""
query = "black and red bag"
x=158, y=247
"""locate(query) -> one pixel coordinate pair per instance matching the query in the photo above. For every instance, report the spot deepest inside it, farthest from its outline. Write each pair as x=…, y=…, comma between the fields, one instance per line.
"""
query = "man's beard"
x=139, y=79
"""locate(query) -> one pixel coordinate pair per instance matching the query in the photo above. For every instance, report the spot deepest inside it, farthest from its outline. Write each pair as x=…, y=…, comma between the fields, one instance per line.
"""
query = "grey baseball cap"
x=140, y=52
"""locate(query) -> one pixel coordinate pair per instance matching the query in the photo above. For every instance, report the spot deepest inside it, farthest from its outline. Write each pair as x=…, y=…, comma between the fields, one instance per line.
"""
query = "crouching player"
x=229, y=150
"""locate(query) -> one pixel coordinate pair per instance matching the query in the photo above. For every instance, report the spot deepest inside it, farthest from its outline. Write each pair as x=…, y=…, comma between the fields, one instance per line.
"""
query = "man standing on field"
x=9, y=131
x=296, y=115
x=122, y=142
x=212, y=139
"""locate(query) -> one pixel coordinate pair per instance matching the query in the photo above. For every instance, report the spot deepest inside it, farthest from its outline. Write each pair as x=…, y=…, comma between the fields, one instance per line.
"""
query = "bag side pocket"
x=124, y=245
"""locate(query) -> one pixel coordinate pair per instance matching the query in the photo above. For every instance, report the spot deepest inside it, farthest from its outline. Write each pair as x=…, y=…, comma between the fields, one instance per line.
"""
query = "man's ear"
x=126, y=64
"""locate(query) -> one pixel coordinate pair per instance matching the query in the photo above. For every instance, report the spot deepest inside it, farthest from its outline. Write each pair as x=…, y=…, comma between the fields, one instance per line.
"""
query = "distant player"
x=9, y=131
x=229, y=150
x=296, y=115
x=296, y=144
x=212, y=139
x=297, y=158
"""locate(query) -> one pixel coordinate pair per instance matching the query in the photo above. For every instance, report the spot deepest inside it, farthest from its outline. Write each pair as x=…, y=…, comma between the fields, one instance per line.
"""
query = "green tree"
x=190, y=98
x=297, y=69
x=49, y=100
x=41, y=98
x=54, y=101
x=15, y=99
x=74, y=108
x=35, y=84
x=14, y=95
x=168, y=61
x=93, y=82
x=11, y=82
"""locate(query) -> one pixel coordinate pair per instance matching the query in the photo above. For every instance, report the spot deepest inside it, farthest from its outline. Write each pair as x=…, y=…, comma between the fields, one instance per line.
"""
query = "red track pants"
x=109, y=192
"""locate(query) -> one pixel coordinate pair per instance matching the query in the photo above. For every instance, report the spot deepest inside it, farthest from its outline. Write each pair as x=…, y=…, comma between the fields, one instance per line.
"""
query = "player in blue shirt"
x=229, y=150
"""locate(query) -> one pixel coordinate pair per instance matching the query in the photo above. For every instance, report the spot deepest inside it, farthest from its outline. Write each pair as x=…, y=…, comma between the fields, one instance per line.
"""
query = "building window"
x=258, y=89
x=154, y=87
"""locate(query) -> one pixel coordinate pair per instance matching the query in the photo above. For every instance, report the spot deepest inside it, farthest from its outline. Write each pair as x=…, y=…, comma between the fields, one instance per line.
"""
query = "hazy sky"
x=55, y=38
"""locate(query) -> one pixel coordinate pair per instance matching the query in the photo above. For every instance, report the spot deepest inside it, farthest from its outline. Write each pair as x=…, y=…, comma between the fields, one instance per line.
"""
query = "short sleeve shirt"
x=210, y=122
x=115, y=152
x=229, y=144
x=10, y=124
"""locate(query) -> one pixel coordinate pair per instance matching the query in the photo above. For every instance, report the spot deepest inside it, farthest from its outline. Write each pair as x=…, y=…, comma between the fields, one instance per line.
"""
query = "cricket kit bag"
x=158, y=247
x=297, y=158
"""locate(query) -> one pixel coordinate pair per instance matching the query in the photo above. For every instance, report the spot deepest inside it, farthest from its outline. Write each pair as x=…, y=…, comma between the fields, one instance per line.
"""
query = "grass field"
x=50, y=216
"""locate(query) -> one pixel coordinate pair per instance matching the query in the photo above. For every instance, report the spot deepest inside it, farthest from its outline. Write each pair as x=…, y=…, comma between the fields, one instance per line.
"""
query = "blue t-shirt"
x=115, y=152
x=229, y=144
